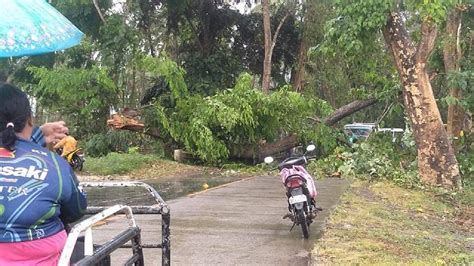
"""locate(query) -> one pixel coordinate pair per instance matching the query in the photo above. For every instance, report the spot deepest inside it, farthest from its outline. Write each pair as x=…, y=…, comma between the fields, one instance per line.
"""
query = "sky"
x=241, y=6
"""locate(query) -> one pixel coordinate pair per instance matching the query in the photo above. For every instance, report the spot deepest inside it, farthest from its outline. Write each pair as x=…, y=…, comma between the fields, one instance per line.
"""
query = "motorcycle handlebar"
x=296, y=159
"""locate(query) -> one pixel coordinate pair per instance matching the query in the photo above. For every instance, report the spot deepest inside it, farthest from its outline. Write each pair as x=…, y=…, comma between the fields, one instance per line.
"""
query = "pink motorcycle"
x=300, y=190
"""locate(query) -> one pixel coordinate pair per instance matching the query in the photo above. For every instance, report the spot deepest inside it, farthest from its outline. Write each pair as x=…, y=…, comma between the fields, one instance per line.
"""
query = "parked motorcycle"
x=300, y=190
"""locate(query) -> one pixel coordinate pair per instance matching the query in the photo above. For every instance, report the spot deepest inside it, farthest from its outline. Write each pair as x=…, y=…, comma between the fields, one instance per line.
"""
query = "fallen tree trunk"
x=252, y=152
x=347, y=110
x=258, y=152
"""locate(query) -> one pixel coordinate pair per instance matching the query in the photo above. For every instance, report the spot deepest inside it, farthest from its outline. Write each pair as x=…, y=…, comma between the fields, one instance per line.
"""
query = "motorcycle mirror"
x=268, y=160
x=311, y=147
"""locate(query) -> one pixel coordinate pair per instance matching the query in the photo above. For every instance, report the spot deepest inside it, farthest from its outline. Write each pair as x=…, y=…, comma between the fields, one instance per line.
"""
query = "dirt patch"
x=465, y=218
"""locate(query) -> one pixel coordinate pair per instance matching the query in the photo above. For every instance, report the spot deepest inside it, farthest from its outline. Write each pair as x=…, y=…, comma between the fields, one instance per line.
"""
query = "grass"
x=384, y=224
x=151, y=166
x=117, y=163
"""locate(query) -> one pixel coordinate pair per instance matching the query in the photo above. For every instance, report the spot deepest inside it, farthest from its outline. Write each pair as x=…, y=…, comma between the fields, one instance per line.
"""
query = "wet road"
x=236, y=224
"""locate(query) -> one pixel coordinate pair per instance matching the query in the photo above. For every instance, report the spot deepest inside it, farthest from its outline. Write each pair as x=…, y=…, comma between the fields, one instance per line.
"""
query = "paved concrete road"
x=236, y=224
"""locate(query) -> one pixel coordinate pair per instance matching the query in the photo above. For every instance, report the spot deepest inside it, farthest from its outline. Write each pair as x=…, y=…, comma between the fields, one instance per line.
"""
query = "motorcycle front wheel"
x=302, y=221
x=77, y=162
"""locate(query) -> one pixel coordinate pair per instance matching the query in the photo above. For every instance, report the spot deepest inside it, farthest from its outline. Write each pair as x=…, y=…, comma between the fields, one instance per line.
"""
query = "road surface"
x=235, y=224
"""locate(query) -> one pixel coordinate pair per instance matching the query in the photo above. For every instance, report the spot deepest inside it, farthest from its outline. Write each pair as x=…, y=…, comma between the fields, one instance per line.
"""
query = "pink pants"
x=44, y=252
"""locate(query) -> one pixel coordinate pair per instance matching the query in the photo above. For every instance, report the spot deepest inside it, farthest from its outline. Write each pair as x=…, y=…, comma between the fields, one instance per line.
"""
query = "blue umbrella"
x=29, y=27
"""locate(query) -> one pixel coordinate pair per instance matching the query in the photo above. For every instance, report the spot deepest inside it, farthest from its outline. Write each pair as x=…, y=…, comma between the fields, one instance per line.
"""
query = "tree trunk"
x=257, y=153
x=451, y=56
x=270, y=42
x=300, y=71
x=347, y=110
x=436, y=161
x=267, y=62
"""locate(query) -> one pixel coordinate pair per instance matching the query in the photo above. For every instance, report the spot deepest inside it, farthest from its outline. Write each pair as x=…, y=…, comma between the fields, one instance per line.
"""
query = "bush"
x=466, y=158
x=112, y=141
x=376, y=158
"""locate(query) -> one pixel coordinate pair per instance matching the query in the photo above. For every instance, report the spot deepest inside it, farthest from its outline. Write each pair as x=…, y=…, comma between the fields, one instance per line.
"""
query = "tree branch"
x=347, y=110
x=275, y=36
x=458, y=37
x=315, y=119
x=427, y=42
x=96, y=4
x=196, y=33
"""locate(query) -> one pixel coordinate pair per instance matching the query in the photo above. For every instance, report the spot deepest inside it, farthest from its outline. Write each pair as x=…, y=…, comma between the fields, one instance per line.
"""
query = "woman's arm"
x=49, y=133
x=38, y=137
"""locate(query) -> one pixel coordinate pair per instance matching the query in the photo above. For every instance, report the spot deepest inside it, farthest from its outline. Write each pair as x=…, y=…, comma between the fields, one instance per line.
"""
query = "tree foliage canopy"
x=209, y=126
x=206, y=57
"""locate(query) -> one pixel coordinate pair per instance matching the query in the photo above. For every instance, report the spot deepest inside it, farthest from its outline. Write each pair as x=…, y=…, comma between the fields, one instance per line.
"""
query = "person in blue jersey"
x=38, y=189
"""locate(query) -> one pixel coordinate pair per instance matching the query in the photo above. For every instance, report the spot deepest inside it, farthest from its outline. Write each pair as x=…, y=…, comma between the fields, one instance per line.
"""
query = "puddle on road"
x=168, y=188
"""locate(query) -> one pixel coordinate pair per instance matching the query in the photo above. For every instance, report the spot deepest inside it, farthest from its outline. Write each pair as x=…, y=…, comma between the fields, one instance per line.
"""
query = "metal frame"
x=161, y=208
x=131, y=233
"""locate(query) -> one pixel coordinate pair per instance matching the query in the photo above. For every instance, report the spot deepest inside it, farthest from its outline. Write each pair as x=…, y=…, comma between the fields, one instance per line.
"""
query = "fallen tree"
x=249, y=151
x=261, y=151
x=258, y=152
x=347, y=110
x=235, y=123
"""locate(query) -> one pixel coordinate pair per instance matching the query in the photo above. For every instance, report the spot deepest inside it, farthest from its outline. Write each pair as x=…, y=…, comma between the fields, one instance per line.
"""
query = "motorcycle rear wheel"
x=302, y=221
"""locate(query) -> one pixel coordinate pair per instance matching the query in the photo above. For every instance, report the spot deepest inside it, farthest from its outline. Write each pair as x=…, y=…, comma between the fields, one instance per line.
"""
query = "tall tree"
x=269, y=43
x=436, y=161
x=451, y=56
x=313, y=15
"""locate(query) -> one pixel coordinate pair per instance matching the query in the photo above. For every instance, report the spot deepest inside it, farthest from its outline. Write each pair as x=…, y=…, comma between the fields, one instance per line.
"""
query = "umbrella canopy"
x=29, y=27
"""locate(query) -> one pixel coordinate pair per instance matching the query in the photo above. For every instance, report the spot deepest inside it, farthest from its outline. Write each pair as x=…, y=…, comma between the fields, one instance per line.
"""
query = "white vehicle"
x=361, y=131
x=396, y=132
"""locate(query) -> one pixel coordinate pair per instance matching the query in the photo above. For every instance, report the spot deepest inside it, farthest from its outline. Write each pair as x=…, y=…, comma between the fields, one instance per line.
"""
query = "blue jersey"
x=38, y=192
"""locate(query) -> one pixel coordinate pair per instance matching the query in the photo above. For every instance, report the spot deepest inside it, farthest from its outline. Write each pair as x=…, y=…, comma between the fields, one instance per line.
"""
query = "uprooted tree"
x=242, y=122
x=211, y=127
x=256, y=151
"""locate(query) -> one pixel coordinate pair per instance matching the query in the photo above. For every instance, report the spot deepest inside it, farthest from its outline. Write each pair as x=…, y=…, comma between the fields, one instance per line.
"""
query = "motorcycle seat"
x=288, y=163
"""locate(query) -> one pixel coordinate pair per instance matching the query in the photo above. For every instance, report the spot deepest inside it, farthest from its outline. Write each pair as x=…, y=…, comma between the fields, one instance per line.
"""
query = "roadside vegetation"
x=119, y=163
x=231, y=87
x=151, y=167
x=379, y=223
x=387, y=216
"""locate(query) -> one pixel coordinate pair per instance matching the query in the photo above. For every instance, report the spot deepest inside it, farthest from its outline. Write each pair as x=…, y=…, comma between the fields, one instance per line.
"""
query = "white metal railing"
x=86, y=227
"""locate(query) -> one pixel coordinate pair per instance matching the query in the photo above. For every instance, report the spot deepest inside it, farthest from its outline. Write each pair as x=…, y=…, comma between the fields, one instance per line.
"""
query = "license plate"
x=297, y=199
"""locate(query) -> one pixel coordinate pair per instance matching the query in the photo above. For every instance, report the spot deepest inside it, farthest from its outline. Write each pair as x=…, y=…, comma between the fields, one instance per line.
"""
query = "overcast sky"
x=241, y=6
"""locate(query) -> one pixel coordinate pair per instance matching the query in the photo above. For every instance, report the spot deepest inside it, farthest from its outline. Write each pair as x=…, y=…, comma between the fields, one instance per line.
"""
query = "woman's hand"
x=53, y=132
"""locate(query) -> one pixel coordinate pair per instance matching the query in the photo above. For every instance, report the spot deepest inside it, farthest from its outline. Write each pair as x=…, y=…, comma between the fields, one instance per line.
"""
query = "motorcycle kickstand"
x=294, y=223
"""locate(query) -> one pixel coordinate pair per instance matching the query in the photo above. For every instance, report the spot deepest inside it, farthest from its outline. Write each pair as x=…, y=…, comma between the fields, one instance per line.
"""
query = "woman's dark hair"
x=15, y=111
